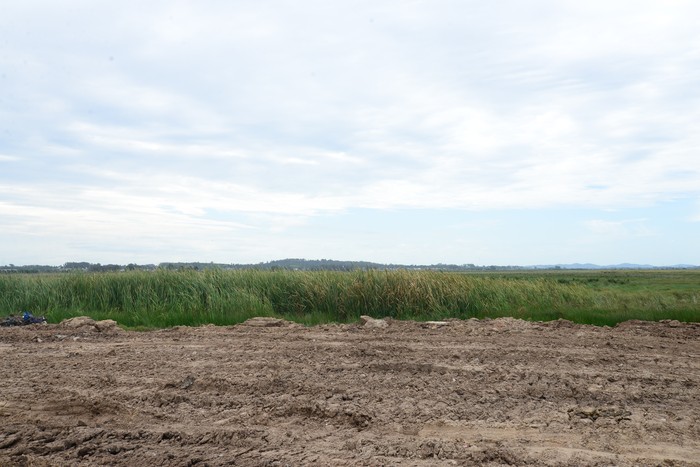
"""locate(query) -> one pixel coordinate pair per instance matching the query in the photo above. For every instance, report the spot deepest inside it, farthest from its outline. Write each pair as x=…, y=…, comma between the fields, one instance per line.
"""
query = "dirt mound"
x=86, y=324
x=369, y=322
x=265, y=322
x=269, y=392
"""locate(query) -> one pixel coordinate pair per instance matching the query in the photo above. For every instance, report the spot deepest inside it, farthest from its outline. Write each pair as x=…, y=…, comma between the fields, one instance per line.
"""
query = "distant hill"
x=611, y=266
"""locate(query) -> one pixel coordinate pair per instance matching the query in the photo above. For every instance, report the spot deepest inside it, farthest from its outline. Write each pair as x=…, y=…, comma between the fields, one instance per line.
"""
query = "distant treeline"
x=74, y=267
x=296, y=264
x=283, y=264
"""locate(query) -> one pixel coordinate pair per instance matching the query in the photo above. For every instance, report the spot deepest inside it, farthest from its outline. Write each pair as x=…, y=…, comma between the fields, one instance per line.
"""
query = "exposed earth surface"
x=269, y=392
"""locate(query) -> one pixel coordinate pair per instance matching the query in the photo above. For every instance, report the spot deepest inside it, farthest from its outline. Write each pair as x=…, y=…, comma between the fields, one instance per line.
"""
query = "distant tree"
x=77, y=265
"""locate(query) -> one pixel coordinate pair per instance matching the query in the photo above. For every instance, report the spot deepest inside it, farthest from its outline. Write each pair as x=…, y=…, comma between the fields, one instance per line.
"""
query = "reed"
x=167, y=298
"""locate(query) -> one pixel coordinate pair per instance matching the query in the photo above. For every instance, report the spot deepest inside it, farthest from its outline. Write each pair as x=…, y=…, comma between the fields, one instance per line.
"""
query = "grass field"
x=168, y=298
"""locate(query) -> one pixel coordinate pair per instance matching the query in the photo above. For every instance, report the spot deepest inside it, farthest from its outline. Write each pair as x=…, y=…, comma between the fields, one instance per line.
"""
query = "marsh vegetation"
x=167, y=298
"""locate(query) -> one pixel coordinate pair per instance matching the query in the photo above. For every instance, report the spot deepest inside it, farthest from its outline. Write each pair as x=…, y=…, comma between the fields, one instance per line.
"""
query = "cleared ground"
x=490, y=392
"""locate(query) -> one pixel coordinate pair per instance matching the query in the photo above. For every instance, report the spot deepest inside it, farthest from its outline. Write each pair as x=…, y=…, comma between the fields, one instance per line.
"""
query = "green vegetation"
x=167, y=298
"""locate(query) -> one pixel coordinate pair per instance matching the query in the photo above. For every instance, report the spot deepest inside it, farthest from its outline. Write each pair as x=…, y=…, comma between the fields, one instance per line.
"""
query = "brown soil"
x=489, y=392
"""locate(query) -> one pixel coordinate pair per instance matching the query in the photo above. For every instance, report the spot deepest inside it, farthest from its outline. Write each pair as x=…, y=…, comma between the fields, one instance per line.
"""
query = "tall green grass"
x=167, y=298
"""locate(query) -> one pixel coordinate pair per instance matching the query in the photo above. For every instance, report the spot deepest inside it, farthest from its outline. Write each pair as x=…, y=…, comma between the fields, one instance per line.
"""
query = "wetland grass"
x=167, y=298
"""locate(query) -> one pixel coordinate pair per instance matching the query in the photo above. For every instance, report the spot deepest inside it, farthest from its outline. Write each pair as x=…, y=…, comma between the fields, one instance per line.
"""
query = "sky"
x=506, y=132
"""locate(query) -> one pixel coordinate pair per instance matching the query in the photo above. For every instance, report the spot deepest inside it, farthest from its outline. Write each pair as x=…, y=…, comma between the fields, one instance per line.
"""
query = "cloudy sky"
x=454, y=131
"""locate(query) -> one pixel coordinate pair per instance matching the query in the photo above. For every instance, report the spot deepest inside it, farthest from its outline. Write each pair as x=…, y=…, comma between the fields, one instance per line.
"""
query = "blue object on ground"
x=27, y=318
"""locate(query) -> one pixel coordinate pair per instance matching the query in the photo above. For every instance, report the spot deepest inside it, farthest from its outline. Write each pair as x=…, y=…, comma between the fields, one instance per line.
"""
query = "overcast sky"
x=415, y=132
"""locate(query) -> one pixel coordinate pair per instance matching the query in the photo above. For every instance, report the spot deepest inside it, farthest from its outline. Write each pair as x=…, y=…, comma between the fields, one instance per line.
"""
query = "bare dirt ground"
x=489, y=392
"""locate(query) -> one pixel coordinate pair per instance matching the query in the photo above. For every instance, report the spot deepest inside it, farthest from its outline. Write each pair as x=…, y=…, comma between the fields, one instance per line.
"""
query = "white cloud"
x=619, y=229
x=8, y=158
x=270, y=114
